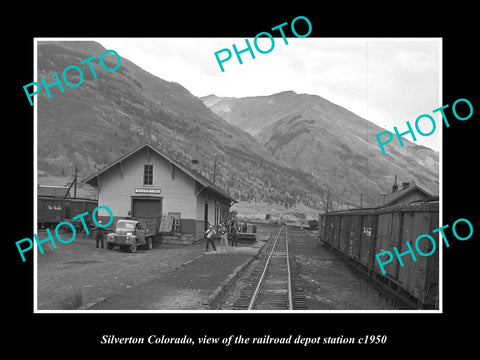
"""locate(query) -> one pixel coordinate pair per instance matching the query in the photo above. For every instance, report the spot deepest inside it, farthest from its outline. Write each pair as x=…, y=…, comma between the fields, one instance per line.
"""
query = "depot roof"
x=93, y=180
x=397, y=195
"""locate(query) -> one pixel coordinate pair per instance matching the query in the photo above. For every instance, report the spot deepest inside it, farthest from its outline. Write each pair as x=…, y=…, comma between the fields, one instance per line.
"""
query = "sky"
x=386, y=81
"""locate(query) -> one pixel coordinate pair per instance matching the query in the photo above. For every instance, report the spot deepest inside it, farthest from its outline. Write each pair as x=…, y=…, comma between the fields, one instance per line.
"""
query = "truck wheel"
x=110, y=246
x=149, y=244
x=133, y=247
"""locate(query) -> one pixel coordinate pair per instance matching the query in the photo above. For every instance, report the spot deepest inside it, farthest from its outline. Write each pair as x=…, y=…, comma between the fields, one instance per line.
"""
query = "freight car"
x=53, y=210
x=358, y=235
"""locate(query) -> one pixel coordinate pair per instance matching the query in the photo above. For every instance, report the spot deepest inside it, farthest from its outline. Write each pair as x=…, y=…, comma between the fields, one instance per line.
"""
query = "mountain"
x=92, y=125
x=253, y=113
x=333, y=144
x=297, y=148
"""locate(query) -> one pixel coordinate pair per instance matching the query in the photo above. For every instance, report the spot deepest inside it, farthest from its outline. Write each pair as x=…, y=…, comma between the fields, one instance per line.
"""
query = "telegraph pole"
x=214, y=169
x=75, y=186
x=74, y=183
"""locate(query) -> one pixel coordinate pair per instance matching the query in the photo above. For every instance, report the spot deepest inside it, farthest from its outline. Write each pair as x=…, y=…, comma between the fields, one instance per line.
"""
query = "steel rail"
x=290, y=301
x=257, y=289
x=260, y=281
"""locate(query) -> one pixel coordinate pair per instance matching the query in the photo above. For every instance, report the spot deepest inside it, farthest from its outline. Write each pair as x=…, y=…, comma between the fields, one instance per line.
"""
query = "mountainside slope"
x=104, y=118
x=335, y=145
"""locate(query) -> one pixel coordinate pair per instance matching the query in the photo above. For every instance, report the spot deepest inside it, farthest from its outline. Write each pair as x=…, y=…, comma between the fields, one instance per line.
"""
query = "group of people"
x=227, y=231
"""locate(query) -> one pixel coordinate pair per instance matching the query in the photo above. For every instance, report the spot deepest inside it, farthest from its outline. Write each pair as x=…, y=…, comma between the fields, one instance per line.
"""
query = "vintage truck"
x=131, y=233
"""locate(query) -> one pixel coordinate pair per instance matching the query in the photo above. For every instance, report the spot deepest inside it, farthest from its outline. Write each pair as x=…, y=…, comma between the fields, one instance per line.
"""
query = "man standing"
x=99, y=236
x=233, y=230
x=209, y=237
x=223, y=235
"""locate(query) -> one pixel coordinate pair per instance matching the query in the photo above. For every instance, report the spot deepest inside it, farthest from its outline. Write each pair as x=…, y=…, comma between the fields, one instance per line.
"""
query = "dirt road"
x=75, y=274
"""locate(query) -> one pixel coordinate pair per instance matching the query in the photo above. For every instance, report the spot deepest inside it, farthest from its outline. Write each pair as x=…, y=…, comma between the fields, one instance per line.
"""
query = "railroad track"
x=272, y=285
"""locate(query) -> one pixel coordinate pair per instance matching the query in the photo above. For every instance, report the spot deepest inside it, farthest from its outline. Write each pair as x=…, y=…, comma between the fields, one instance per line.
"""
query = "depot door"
x=147, y=208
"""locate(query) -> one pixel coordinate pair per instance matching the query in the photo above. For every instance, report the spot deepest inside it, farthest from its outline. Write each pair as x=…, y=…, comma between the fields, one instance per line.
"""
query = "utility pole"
x=74, y=183
x=361, y=201
x=215, y=162
x=75, y=186
x=214, y=169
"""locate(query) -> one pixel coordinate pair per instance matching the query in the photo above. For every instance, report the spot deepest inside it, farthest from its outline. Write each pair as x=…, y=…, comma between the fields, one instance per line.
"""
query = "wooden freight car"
x=53, y=210
x=360, y=234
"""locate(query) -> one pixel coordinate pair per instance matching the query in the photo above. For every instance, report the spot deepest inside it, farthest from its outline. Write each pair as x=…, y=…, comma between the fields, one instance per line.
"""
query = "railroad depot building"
x=146, y=183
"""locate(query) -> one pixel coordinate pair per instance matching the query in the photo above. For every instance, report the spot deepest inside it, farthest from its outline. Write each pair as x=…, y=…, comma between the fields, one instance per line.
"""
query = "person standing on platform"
x=209, y=237
x=223, y=235
x=233, y=231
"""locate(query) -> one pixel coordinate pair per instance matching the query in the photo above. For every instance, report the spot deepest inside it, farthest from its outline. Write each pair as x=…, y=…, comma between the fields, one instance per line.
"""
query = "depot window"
x=148, y=175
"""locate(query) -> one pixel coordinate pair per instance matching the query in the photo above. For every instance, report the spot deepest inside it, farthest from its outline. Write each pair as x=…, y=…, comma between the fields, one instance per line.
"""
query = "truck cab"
x=129, y=234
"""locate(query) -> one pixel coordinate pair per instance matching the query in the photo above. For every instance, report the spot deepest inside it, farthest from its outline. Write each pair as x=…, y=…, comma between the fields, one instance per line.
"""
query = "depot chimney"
x=395, y=186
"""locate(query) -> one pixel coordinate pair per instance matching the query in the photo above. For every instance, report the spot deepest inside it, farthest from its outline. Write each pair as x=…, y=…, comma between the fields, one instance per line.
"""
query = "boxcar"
x=360, y=234
x=53, y=210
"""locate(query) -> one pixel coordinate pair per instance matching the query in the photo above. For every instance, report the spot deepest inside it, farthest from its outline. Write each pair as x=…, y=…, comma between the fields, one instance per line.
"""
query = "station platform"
x=193, y=285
